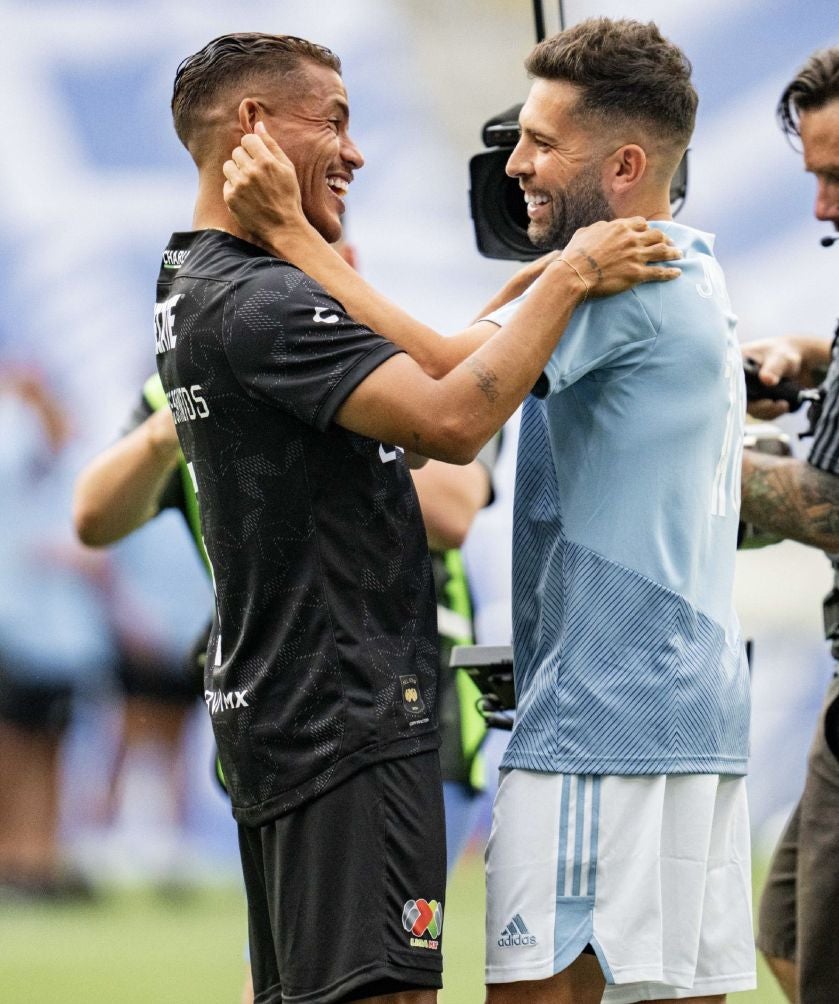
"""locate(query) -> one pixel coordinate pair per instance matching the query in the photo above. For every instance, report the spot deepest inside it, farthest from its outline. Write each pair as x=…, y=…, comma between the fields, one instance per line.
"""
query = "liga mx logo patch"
x=412, y=696
x=424, y=922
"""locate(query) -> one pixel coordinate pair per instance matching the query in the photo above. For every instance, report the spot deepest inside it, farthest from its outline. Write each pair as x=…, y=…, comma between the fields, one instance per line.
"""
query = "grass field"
x=135, y=947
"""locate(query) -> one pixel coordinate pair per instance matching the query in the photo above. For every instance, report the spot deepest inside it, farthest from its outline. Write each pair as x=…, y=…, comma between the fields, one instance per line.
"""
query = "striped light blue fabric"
x=578, y=822
x=576, y=873
x=615, y=674
x=628, y=657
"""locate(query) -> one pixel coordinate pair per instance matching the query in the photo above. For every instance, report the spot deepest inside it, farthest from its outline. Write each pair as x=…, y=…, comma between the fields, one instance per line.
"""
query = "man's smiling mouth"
x=338, y=186
x=534, y=202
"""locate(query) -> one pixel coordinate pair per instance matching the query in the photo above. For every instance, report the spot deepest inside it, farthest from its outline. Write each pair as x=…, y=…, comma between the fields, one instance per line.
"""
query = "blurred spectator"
x=52, y=639
x=450, y=497
x=117, y=492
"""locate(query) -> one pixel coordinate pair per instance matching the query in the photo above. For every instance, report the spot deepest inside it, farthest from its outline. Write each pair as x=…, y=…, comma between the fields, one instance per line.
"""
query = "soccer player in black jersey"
x=321, y=667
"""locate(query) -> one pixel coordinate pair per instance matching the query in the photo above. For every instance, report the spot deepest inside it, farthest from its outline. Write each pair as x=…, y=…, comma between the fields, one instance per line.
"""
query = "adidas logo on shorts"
x=516, y=933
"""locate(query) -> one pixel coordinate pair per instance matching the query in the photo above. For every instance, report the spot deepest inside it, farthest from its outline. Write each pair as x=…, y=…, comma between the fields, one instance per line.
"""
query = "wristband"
x=579, y=276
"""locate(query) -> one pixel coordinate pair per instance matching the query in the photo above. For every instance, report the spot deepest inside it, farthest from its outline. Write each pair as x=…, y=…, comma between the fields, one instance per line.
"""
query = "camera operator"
x=800, y=500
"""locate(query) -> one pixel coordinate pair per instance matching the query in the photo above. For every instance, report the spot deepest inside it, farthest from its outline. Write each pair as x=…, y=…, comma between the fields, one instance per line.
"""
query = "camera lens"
x=498, y=209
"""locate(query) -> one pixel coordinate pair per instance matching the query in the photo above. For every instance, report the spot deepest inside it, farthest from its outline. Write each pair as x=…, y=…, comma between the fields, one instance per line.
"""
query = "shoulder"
x=633, y=314
x=272, y=278
x=223, y=258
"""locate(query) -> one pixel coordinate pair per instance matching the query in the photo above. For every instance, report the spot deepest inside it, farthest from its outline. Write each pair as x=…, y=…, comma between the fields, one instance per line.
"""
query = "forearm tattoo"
x=793, y=499
x=486, y=379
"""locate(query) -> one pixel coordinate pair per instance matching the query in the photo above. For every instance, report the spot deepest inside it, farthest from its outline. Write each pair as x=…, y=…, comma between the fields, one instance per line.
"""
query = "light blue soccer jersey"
x=628, y=657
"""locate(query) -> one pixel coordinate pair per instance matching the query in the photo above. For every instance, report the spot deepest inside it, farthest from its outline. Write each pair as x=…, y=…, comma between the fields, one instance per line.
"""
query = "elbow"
x=89, y=523
x=442, y=361
x=436, y=367
x=454, y=442
x=459, y=454
x=454, y=533
x=87, y=528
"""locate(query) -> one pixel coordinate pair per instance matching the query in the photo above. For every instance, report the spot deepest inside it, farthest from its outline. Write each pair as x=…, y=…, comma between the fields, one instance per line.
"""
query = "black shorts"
x=158, y=680
x=798, y=906
x=30, y=704
x=345, y=894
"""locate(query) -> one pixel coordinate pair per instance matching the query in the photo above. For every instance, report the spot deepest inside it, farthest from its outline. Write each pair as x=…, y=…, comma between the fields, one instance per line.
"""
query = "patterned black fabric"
x=824, y=453
x=323, y=654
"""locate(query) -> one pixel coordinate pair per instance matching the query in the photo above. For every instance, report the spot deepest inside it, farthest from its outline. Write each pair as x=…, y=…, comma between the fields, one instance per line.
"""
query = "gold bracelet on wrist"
x=579, y=276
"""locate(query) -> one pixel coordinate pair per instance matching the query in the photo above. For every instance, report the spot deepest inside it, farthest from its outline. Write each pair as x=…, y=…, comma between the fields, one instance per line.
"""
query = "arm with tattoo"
x=792, y=499
x=485, y=378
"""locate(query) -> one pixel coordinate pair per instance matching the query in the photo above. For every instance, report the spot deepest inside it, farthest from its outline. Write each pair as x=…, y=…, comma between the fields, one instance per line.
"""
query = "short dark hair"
x=815, y=84
x=626, y=71
x=233, y=60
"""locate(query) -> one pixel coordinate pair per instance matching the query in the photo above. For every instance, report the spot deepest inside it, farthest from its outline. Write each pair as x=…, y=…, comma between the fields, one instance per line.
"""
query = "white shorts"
x=653, y=872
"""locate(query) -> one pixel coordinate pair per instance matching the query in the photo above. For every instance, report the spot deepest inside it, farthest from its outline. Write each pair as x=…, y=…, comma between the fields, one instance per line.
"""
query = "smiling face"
x=309, y=118
x=558, y=166
x=819, y=130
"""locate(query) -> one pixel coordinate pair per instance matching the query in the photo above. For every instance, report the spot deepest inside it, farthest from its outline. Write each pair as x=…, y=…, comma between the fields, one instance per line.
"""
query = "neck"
x=652, y=205
x=211, y=212
x=658, y=214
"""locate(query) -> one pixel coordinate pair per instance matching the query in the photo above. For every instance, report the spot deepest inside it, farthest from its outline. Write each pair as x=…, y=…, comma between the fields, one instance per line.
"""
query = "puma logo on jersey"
x=224, y=700
x=322, y=318
x=387, y=455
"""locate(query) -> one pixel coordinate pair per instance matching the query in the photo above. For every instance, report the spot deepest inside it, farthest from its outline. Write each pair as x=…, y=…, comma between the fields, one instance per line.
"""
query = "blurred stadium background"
x=93, y=182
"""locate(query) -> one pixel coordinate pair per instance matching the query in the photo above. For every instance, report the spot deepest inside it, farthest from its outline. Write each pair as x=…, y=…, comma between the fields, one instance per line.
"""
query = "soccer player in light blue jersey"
x=618, y=865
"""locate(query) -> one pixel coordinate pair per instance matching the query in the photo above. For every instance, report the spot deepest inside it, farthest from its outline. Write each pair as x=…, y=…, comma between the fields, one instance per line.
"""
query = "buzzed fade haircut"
x=626, y=71
x=231, y=61
x=815, y=84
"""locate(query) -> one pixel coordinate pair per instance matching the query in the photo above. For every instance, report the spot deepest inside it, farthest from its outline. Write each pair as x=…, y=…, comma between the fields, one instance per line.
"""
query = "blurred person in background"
x=117, y=492
x=54, y=641
x=450, y=497
x=799, y=500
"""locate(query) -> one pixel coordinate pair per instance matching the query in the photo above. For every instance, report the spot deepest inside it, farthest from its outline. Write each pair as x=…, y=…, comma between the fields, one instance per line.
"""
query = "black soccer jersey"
x=322, y=657
x=824, y=453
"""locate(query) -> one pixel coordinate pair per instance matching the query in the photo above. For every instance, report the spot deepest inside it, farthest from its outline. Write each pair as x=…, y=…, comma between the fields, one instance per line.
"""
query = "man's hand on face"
x=612, y=257
x=261, y=189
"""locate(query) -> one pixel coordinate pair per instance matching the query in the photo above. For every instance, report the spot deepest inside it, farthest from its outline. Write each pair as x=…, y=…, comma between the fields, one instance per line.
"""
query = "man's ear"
x=625, y=168
x=250, y=112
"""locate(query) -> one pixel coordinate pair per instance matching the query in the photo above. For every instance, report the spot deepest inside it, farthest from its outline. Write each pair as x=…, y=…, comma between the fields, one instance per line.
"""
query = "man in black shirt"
x=799, y=499
x=322, y=668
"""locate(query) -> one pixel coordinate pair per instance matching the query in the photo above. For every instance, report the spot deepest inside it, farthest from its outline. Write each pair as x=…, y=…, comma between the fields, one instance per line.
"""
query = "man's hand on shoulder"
x=612, y=257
